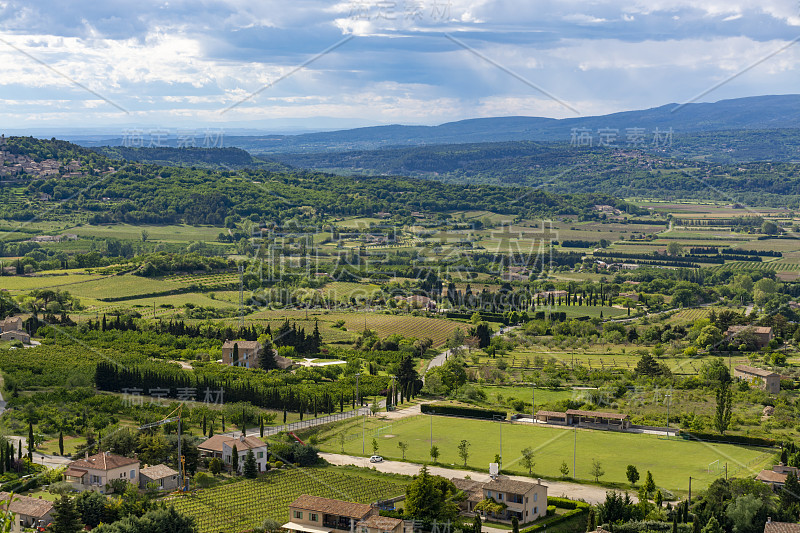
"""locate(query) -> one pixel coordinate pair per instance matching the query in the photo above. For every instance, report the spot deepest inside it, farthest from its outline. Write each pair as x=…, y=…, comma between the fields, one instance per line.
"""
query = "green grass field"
x=28, y=283
x=122, y=286
x=177, y=233
x=671, y=461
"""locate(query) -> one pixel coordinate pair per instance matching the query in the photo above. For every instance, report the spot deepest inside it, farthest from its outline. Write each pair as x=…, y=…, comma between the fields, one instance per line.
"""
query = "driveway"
x=575, y=491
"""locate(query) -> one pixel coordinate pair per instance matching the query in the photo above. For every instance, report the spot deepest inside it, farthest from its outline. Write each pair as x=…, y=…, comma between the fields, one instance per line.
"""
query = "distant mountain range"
x=752, y=113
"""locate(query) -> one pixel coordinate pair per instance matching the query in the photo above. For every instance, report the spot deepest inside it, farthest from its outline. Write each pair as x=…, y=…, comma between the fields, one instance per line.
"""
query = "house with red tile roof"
x=95, y=472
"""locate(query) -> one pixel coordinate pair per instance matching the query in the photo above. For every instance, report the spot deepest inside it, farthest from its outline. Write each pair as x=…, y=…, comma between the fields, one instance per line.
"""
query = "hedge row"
x=551, y=521
x=488, y=317
x=733, y=439
x=455, y=410
x=566, y=503
x=650, y=525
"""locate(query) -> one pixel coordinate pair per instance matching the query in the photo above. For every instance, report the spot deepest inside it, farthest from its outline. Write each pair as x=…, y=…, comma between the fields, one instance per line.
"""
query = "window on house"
x=535, y=497
x=298, y=515
x=260, y=455
x=133, y=474
x=535, y=510
x=313, y=517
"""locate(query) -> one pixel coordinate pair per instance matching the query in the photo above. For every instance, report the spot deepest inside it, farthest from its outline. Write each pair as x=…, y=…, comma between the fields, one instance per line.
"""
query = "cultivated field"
x=246, y=504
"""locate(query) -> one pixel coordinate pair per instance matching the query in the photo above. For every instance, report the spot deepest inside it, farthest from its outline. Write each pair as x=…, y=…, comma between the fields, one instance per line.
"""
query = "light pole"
x=394, y=392
x=574, y=452
x=500, y=419
x=364, y=423
x=431, y=417
x=668, y=397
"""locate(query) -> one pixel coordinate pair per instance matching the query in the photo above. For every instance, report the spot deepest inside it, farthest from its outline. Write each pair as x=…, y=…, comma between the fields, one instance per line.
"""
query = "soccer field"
x=671, y=461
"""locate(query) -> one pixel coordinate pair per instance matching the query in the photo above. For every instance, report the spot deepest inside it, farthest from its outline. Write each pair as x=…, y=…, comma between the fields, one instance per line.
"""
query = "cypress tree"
x=250, y=466
x=235, y=460
x=30, y=441
x=261, y=425
x=65, y=516
x=204, y=424
x=60, y=443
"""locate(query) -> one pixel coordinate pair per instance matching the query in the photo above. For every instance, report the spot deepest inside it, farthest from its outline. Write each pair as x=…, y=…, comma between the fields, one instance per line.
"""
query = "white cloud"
x=186, y=60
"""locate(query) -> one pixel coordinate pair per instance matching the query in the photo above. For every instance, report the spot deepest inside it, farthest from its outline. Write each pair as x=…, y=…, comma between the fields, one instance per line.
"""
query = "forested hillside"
x=147, y=193
x=562, y=168
x=214, y=158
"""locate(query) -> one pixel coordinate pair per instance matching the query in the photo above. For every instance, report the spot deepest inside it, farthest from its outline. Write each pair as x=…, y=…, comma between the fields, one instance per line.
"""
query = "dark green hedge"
x=639, y=527
x=566, y=503
x=553, y=520
x=733, y=439
x=455, y=410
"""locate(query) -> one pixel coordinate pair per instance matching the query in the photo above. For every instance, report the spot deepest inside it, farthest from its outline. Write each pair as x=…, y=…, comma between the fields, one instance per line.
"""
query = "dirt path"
x=575, y=491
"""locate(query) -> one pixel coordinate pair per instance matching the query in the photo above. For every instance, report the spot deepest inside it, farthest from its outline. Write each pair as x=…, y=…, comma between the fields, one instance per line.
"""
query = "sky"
x=296, y=65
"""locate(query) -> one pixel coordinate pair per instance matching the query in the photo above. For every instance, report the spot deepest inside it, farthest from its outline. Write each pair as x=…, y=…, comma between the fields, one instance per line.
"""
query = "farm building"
x=758, y=377
x=776, y=478
x=29, y=512
x=312, y=514
x=577, y=417
x=241, y=353
x=162, y=475
x=762, y=334
x=11, y=330
x=12, y=323
x=15, y=336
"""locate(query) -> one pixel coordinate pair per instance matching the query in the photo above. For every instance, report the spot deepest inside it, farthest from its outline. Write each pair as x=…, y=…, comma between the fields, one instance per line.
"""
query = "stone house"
x=241, y=353
x=758, y=377
x=162, y=475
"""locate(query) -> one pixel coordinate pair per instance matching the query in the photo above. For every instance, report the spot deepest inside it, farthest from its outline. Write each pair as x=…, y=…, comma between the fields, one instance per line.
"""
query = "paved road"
x=576, y=491
x=50, y=461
